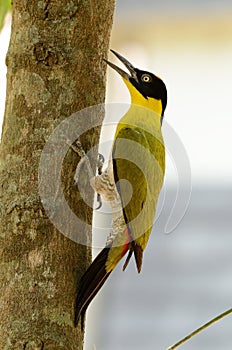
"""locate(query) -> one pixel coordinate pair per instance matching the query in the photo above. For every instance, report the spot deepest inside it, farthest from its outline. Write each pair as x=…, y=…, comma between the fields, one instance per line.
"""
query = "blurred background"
x=186, y=276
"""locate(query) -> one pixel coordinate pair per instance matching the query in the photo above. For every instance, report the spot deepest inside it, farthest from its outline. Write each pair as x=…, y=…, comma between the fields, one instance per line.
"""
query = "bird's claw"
x=99, y=200
x=100, y=163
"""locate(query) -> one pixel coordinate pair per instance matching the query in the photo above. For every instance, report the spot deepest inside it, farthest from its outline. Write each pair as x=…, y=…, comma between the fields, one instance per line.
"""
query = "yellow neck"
x=138, y=99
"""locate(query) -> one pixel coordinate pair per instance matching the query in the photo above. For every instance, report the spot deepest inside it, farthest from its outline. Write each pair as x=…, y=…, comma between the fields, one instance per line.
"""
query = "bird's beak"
x=127, y=64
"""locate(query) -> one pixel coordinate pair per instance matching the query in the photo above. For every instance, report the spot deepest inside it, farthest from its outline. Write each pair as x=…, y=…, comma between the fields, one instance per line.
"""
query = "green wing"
x=130, y=168
x=129, y=163
x=138, y=163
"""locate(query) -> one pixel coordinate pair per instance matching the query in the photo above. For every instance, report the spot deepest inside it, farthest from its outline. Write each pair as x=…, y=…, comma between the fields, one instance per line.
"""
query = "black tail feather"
x=138, y=253
x=127, y=259
x=90, y=283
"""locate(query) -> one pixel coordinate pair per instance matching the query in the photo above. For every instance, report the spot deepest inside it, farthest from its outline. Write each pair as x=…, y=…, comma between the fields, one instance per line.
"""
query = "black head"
x=148, y=84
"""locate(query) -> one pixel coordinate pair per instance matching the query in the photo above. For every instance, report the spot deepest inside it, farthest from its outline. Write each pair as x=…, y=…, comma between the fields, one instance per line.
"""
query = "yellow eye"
x=146, y=78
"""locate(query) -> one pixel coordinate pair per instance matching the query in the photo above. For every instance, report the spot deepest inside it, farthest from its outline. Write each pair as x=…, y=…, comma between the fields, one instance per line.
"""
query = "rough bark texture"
x=55, y=68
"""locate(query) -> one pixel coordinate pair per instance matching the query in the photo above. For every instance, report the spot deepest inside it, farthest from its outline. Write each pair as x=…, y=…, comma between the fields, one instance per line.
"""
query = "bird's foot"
x=100, y=163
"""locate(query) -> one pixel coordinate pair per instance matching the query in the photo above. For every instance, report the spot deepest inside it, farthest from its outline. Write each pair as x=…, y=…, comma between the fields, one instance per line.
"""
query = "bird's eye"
x=146, y=78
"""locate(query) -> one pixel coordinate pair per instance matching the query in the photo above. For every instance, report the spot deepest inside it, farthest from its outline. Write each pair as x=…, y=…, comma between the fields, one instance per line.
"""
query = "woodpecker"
x=133, y=179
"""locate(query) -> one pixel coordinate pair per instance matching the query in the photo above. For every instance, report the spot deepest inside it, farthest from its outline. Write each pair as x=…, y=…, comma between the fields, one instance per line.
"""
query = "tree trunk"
x=55, y=68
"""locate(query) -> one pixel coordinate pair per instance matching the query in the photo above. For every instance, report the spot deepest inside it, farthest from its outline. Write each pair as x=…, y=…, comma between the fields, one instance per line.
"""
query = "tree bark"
x=55, y=68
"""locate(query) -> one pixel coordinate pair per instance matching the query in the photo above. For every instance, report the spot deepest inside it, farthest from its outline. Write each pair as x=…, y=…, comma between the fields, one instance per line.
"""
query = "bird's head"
x=146, y=89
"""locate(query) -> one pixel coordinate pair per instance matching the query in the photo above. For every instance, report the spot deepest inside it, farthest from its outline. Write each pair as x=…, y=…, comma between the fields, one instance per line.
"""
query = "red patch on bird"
x=126, y=245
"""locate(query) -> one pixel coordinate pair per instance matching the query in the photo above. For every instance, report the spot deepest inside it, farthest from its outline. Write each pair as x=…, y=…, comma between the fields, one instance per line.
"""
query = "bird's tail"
x=90, y=283
x=100, y=269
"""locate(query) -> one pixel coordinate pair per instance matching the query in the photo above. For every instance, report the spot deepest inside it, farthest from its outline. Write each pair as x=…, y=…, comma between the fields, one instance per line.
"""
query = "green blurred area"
x=5, y=6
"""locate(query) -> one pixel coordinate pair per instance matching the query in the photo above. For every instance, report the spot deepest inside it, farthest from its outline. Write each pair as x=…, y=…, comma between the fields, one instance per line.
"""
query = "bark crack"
x=34, y=344
x=46, y=10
